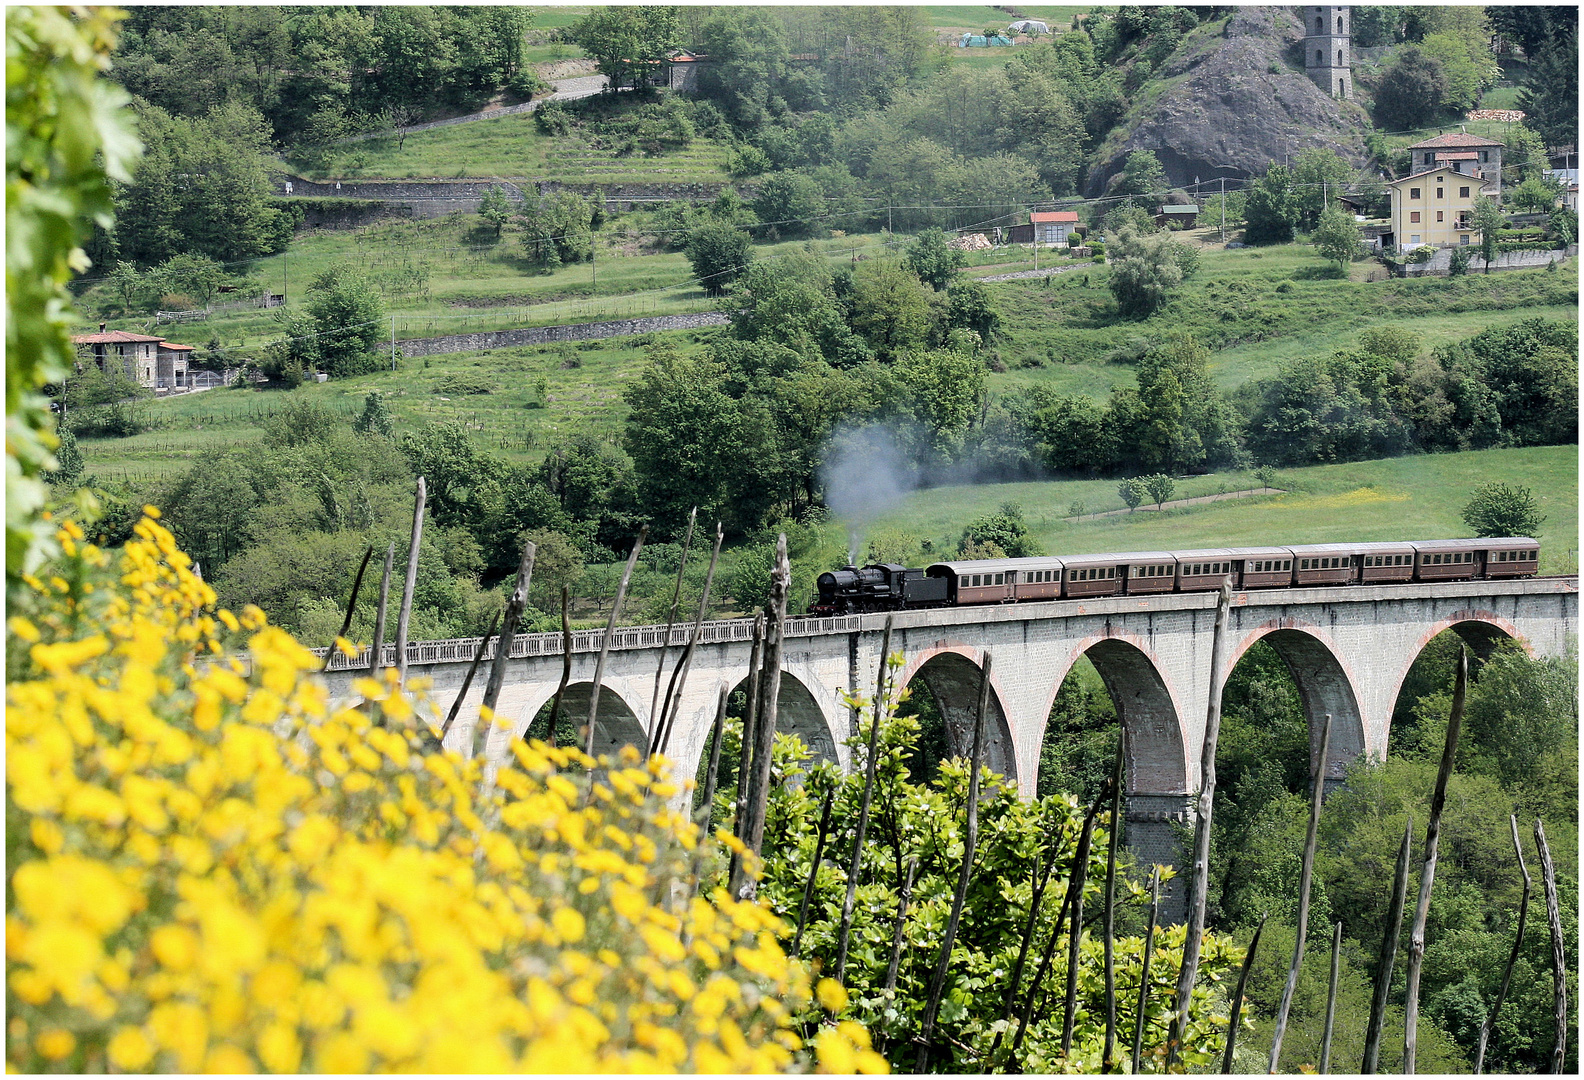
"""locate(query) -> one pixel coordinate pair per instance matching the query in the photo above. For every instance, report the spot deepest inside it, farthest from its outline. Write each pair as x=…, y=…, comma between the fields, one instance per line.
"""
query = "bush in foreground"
x=210, y=868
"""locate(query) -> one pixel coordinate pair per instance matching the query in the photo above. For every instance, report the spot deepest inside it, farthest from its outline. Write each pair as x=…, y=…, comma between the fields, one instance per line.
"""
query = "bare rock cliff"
x=1233, y=104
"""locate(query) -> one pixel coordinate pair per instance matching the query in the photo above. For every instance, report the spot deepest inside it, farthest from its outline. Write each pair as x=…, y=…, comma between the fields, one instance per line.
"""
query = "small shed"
x=171, y=367
x=1186, y=215
x=1053, y=226
x=681, y=70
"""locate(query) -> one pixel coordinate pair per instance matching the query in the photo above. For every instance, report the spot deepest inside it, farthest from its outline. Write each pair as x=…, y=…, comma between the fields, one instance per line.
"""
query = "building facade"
x=1462, y=152
x=1328, y=50
x=1053, y=226
x=1434, y=208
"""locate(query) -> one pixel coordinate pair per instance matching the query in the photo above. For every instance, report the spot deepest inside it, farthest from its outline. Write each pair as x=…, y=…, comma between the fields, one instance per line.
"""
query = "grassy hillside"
x=1414, y=497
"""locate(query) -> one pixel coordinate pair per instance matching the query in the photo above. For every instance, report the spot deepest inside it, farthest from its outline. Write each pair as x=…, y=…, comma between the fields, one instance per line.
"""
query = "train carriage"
x=1207, y=568
x=1103, y=575
x=1038, y=579
x=1384, y=563
x=1511, y=556
x=977, y=581
x=1449, y=560
x=1326, y=564
x=1262, y=567
x=1147, y=571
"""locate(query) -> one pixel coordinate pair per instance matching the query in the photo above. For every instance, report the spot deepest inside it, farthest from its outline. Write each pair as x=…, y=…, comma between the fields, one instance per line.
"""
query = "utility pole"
x=593, y=268
x=1223, y=209
x=284, y=258
x=393, y=341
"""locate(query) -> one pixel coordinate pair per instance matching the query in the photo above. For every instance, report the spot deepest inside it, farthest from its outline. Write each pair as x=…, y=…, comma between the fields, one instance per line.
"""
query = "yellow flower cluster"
x=211, y=869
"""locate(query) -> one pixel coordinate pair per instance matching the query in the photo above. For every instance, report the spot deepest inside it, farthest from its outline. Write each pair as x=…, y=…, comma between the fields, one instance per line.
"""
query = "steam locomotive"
x=890, y=587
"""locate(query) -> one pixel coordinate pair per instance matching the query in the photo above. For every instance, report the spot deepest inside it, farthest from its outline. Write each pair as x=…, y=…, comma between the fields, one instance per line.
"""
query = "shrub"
x=463, y=383
x=223, y=871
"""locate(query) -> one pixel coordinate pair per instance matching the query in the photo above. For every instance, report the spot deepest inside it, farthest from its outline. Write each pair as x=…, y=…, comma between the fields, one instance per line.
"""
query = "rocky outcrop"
x=1233, y=104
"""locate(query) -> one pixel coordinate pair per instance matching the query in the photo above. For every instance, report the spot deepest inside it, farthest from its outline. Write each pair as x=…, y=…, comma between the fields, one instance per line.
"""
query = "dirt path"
x=1173, y=504
x=581, y=86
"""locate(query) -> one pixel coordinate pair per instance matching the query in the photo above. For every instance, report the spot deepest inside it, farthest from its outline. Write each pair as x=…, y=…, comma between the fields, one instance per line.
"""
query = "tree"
x=196, y=276
x=1496, y=509
x=1142, y=176
x=1318, y=175
x=934, y=260
x=625, y=41
x=1411, y=92
x=890, y=308
x=718, y=252
x=748, y=59
x=1489, y=220
x=972, y=309
x=1132, y=491
x=1337, y=237
x=375, y=419
x=1550, y=100
x=347, y=317
x=1160, y=487
x=944, y=388
x=1006, y=529
x=1271, y=211
x=789, y=204
x=1145, y=270
x=1537, y=194
x=495, y=208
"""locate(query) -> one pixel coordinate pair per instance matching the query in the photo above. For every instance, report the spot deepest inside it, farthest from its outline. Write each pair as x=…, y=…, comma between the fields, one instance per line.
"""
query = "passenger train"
x=889, y=587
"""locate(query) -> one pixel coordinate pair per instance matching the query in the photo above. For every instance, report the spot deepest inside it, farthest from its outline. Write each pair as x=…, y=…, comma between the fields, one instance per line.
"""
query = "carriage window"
x=1000, y=579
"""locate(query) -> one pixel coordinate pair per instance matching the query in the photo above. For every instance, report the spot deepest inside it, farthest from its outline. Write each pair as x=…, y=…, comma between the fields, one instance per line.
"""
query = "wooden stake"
x=1558, y=949
x=871, y=762
x=1237, y=997
x=710, y=777
x=405, y=617
x=808, y=886
x=610, y=628
x=566, y=662
x=514, y=610
x=1331, y=992
x=1512, y=958
x=903, y=898
x=1388, y=954
x=745, y=752
x=346, y=623
x=673, y=698
x=1144, y=983
x=1416, y=937
x=377, y=654
x=970, y=841
x=1305, y=876
x=467, y=680
x=1075, y=935
x=1200, y=877
x=1037, y=887
x=665, y=642
x=1108, y=1055
x=769, y=692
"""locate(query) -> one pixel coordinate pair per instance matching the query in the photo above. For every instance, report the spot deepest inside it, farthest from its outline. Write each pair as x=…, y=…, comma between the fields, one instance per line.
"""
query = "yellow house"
x=1434, y=207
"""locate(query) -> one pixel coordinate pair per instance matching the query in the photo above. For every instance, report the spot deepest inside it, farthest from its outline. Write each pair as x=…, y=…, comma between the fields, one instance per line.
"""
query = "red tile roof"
x=1456, y=138
x=111, y=337
x=175, y=347
x=1054, y=217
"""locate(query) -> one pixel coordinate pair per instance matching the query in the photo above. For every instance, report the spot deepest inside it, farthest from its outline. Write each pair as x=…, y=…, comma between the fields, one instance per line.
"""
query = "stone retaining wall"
x=1440, y=264
x=545, y=335
x=436, y=198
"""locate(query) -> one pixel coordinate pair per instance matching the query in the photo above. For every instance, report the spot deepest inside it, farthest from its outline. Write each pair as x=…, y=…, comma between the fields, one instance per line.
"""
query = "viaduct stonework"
x=1348, y=649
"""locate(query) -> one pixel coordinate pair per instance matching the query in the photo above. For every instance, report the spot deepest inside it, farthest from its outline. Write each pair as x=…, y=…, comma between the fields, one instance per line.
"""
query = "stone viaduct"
x=1348, y=649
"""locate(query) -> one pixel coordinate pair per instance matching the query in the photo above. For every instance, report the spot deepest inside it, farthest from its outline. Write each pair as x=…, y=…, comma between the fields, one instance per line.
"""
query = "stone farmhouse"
x=162, y=366
x=1434, y=204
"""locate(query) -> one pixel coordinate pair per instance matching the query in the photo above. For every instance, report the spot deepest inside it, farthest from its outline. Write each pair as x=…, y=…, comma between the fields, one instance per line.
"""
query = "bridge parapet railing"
x=462, y=650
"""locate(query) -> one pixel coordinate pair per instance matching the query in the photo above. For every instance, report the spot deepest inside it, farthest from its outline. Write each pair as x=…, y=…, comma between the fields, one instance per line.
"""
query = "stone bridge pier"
x=1348, y=649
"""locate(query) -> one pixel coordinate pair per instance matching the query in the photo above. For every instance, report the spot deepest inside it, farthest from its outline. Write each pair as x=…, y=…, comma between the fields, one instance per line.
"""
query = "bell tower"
x=1327, y=50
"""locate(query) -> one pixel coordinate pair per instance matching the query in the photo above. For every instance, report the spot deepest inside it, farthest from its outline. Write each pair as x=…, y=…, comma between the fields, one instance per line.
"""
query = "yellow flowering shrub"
x=212, y=869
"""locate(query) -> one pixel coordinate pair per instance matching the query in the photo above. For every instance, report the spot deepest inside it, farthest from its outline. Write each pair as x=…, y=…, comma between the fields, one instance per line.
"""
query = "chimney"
x=101, y=327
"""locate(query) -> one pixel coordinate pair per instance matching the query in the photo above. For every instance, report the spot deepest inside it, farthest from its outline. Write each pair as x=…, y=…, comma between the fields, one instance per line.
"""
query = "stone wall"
x=436, y=198
x=1440, y=264
x=545, y=335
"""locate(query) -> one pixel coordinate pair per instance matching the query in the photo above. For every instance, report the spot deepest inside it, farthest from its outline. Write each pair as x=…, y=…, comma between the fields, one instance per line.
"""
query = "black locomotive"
x=878, y=587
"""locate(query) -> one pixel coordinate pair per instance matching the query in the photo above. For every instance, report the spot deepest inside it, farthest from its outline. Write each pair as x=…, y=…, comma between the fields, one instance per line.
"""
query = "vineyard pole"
x=819, y=852
x=377, y=654
x=871, y=763
x=673, y=699
x=346, y=623
x=1236, y=1013
x=1416, y=937
x=1109, y=915
x=769, y=693
x=665, y=642
x=970, y=841
x=1305, y=878
x=1512, y=958
x=1388, y=953
x=1149, y=950
x=467, y=681
x=1331, y=993
x=610, y=628
x=1558, y=949
x=1200, y=876
x=508, y=635
x=404, y=619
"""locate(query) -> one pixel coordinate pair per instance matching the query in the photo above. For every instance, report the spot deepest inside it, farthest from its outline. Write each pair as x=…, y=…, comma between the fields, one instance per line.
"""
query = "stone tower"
x=1327, y=53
